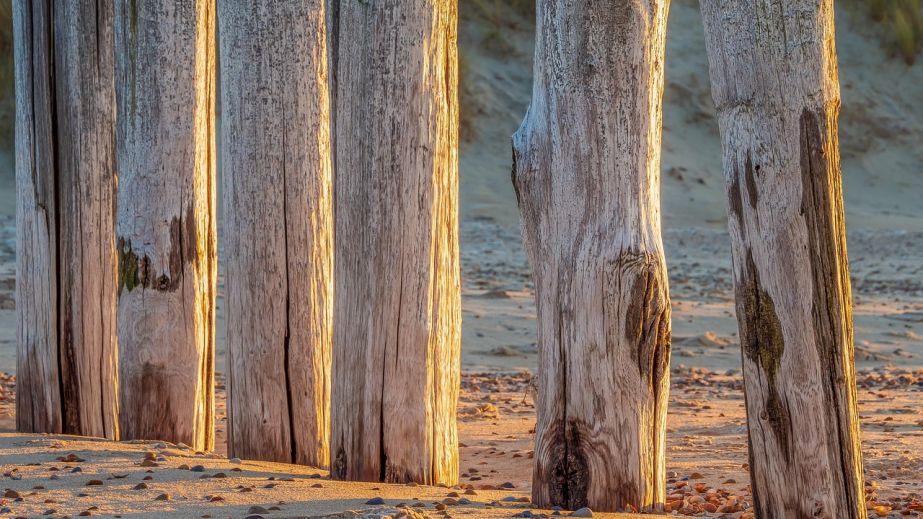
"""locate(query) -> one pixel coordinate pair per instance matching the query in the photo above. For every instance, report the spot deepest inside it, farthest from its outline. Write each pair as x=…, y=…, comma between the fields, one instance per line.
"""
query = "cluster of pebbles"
x=495, y=400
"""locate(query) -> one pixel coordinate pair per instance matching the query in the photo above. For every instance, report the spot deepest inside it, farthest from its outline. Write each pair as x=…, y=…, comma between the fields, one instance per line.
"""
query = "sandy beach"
x=881, y=132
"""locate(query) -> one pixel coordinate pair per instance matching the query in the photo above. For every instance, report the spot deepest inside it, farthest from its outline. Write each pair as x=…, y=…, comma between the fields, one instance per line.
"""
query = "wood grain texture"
x=587, y=174
x=278, y=203
x=397, y=314
x=165, y=84
x=67, y=358
x=774, y=80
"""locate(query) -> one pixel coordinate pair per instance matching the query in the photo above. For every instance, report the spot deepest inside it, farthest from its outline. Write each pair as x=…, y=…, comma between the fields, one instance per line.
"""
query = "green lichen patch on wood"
x=763, y=341
x=130, y=275
x=136, y=271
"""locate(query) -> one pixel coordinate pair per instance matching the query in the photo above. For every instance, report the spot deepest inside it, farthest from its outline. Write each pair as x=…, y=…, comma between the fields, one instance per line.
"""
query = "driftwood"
x=397, y=323
x=774, y=82
x=586, y=167
x=67, y=352
x=165, y=85
x=278, y=229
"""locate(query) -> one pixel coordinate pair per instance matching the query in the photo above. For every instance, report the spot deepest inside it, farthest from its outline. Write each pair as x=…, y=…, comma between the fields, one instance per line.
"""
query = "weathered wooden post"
x=67, y=354
x=165, y=84
x=774, y=82
x=397, y=324
x=278, y=228
x=587, y=172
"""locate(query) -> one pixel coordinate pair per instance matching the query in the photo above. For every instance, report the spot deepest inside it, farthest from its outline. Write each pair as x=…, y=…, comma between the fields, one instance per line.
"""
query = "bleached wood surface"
x=774, y=80
x=65, y=176
x=165, y=84
x=586, y=167
x=397, y=324
x=278, y=204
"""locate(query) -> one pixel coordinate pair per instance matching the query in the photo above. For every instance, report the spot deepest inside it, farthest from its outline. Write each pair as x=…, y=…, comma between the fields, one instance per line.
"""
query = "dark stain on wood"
x=566, y=472
x=136, y=271
x=67, y=364
x=750, y=178
x=763, y=343
x=647, y=320
x=156, y=421
x=338, y=467
x=577, y=472
x=513, y=178
x=735, y=206
x=821, y=206
x=826, y=238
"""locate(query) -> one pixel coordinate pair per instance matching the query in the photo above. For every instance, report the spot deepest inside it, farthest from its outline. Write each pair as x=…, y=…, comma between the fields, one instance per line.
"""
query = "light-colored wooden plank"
x=65, y=175
x=165, y=84
x=397, y=322
x=278, y=203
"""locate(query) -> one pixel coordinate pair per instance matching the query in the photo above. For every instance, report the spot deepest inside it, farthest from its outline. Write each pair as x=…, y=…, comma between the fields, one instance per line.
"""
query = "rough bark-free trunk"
x=278, y=229
x=67, y=378
x=166, y=219
x=774, y=81
x=397, y=314
x=587, y=173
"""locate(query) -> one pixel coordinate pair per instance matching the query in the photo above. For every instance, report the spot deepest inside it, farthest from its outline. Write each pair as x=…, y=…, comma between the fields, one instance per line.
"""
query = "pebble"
x=583, y=512
x=375, y=501
x=235, y=461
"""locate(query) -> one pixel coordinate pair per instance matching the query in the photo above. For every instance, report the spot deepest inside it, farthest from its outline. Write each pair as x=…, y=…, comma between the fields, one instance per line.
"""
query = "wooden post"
x=67, y=352
x=397, y=323
x=586, y=167
x=279, y=229
x=165, y=59
x=774, y=81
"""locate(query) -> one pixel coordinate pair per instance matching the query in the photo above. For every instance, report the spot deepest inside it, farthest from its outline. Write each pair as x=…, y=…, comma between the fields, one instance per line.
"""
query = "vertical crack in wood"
x=64, y=344
x=286, y=341
x=333, y=42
